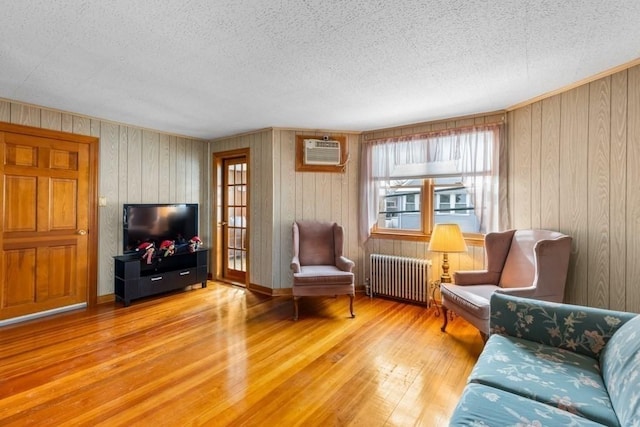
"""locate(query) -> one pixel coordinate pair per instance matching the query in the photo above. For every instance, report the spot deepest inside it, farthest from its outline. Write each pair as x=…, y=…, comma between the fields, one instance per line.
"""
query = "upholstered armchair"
x=319, y=267
x=525, y=263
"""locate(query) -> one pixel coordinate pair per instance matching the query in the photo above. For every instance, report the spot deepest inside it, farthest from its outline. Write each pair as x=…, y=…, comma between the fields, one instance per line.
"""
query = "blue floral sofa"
x=550, y=364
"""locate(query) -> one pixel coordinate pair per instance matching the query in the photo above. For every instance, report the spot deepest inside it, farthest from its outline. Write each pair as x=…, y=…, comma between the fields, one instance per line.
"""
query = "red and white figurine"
x=148, y=249
x=167, y=247
x=194, y=243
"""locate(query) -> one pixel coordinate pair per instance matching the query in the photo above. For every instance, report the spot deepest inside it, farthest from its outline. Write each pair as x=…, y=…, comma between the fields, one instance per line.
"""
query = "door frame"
x=92, y=232
x=216, y=209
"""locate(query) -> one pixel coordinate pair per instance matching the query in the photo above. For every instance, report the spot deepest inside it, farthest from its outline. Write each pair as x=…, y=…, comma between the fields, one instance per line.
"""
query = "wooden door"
x=234, y=218
x=47, y=232
x=231, y=181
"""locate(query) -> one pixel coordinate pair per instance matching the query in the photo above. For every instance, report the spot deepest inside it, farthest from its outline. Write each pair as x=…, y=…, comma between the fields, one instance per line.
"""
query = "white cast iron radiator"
x=400, y=277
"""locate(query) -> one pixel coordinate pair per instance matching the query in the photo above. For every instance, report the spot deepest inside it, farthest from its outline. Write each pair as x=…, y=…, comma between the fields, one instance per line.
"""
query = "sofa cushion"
x=317, y=245
x=581, y=329
x=519, y=267
x=473, y=298
x=485, y=406
x=550, y=375
x=322, y=275
x=620, y=365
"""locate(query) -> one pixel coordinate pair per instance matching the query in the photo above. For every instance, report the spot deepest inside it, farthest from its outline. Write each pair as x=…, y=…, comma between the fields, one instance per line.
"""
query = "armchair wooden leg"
x=295, y=308
x=445, y=312
x=351, y=306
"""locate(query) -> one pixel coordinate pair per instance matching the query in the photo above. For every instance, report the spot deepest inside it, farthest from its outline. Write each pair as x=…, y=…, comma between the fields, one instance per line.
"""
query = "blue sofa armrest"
x=581, y=329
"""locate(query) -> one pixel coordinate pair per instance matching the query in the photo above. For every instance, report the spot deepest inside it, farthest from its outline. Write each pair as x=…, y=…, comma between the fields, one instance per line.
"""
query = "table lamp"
x=446, y=238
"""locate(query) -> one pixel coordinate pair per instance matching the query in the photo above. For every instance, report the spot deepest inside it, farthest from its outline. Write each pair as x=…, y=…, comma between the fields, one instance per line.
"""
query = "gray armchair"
x=526, y=263
x=319, y=268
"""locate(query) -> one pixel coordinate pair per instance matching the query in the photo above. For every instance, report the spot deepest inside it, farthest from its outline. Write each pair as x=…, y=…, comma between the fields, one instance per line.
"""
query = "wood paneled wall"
x=314, y=196
x=260, y=145
x=136, y=166
x=573, y=161
x=474, y=257
x=574, y=165
x=279, y=195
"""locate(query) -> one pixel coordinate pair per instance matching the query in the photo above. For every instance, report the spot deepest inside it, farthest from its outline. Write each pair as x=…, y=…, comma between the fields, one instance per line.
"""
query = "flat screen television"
x=158, y=222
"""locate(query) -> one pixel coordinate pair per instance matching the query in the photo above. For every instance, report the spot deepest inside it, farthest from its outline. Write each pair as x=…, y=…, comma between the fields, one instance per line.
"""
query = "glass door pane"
x=235, y=219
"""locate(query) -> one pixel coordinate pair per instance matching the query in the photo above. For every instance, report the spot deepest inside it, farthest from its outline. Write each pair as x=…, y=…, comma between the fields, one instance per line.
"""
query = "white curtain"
x=472, y=153
x=368, y=214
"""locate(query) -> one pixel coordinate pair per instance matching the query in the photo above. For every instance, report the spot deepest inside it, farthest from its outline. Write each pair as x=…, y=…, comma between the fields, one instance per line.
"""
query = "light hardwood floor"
x=223, y=356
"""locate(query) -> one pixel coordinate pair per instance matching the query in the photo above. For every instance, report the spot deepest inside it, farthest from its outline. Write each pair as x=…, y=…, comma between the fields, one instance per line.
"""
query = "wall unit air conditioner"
x=321, y=152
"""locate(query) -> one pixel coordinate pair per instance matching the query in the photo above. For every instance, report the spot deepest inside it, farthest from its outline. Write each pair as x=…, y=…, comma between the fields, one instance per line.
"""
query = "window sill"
x=470, y=240
x=404, y=235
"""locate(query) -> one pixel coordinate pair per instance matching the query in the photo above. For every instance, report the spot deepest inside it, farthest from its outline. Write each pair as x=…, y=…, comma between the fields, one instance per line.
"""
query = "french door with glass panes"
x=235, y=219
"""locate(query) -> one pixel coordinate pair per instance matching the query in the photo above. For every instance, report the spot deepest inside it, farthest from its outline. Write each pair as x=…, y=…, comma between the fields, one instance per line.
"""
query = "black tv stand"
x=135, y=278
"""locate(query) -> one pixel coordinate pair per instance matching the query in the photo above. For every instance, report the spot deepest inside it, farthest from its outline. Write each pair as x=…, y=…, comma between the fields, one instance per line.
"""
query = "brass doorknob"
x=81, y=232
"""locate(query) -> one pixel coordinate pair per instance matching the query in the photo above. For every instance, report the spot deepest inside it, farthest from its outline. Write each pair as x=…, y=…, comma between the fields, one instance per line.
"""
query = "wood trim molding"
x=106, y=299
x=302, y=167
x=479, y=119
x=269, y=291
x=215, y=261
x=574, y=85
x=47, y=133
x=93, y=144
x=55, y=110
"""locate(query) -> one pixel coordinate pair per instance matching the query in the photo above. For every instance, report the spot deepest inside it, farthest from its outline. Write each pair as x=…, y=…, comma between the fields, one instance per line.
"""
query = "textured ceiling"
x=211, y=68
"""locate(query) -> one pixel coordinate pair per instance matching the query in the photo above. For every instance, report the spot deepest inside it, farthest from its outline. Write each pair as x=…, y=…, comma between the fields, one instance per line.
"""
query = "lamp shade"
x=447, y=238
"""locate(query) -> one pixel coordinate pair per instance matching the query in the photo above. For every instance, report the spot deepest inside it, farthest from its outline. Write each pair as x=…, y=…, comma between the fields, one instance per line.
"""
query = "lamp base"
x=445, y=277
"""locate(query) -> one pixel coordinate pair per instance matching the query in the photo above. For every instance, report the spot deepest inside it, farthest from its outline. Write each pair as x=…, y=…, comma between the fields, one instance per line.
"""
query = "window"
x=410, y=204
x=443, y=204
x=412, y=182
x=452, y=204
x=400, y=205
